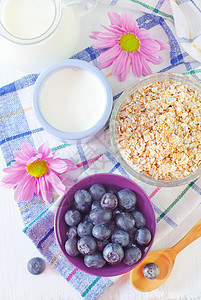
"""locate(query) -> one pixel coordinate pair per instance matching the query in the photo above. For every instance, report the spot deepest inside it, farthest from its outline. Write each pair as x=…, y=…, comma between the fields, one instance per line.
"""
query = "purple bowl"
x=108, y=180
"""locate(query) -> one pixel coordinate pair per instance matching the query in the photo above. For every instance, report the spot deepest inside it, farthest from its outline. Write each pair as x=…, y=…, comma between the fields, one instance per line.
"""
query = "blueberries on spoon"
x=151, y=271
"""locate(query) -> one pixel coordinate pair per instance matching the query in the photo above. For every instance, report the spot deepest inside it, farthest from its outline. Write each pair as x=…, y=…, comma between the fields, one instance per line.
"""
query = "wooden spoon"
x=164, y=259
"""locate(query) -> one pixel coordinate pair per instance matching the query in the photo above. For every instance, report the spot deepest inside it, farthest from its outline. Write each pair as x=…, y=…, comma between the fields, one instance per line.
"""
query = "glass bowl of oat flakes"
x=155, y=129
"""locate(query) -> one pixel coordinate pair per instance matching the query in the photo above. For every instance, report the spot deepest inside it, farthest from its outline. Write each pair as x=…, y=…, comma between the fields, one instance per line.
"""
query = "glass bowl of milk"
x=36, y=33
x=73, y=100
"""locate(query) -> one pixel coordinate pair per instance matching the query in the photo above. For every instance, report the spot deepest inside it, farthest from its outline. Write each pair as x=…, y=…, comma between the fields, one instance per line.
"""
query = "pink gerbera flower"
x=37, y=173
x=128, y=45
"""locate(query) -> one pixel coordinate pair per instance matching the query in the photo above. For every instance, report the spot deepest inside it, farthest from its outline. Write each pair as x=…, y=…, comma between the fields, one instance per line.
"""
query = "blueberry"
x=131, y=244
x=96, y=204
x=100, y=216
x=113, y=253
x=71, y=247
x=72, y=217
x=86, y=218
x=83, y=200
x=86, y=245
x=132, y=233
x=132, y=255
x=115, y=212
x=109, y=200
x=127, y=199
x=97, y=191
x=143, y=236
x=101, y=244
x=101, y=232
x=36, y=265
x=84, y=228
x=140, y=220
x=71, y=232
x=151, y=271
x=120, y=237
x=94, y=260
x=112, y=225
x=112, y=190
x=125, y=221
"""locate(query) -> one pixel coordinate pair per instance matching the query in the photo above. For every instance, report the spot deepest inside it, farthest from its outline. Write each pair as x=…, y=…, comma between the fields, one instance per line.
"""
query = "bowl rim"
x=112, y=128
x=74, y=63
x=92, y=271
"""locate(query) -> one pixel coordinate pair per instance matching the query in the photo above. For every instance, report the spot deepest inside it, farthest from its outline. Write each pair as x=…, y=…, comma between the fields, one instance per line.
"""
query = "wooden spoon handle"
x=191, y=236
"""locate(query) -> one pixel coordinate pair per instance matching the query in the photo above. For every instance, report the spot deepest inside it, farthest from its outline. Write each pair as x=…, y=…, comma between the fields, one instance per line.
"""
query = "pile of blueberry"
x=104, y=226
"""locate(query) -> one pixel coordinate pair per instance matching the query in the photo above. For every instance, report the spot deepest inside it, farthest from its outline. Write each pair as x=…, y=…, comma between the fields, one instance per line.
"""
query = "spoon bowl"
x=164, y=259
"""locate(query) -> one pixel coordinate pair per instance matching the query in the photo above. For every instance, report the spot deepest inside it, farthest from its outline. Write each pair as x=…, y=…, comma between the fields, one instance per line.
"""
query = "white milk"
x=34, y=57
x=72, y=100
x=27, y=18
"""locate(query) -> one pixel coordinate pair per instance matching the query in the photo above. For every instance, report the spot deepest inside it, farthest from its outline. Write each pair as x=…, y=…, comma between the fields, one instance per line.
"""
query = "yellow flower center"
x=37, y=168
x=129, y=42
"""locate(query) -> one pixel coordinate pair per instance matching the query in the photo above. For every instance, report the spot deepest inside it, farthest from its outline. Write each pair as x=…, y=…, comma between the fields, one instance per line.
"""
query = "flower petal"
x=119, y=63
x=156, y=60
x=115, y=18
x=56, y=164
x=149, y=45
x=56, y=183
x=29, y=189
x=17, y=164
x=108, y=35
x=44, y=149
x=105, y=44
x=146, y=70
x=136, y=64
x=129, y=23
x=19, y=156
x=94, y=35
x=122, y=76
x=25, y=189
x=107, y=57
x=15, y=169
x=12, y=179
x=28, y=150
x=45, y=189
x=114, y=28
x=143, y=34
x=70, y=165
x=162, y=45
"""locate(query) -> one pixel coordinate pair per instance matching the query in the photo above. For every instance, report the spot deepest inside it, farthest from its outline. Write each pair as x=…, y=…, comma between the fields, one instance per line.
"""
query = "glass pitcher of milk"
x=37, y=33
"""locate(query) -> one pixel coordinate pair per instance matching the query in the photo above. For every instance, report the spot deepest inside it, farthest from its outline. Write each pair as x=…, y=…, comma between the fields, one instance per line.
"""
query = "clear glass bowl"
x=195, y=85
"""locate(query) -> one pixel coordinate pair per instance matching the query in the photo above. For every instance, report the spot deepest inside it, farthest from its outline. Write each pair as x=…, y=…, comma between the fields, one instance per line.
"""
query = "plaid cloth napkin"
x=18, y=124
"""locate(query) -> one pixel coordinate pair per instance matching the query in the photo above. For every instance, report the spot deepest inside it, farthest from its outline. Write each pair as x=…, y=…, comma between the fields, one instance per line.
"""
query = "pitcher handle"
x=85, y=6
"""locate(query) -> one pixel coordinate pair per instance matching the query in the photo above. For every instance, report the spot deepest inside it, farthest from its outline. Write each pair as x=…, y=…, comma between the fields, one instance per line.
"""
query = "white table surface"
x=16, y=283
